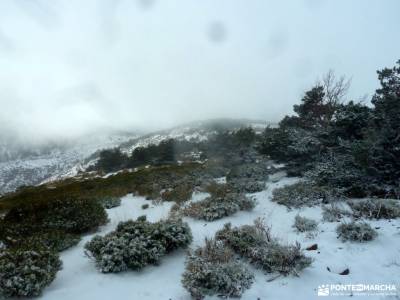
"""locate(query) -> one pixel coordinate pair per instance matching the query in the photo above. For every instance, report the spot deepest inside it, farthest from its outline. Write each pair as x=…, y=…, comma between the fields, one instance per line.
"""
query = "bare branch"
x=335, y=89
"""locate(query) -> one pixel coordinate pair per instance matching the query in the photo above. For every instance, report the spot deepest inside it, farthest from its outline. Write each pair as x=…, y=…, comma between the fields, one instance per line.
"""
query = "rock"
x=312, y=247
x=345, y=272
x=339, y=270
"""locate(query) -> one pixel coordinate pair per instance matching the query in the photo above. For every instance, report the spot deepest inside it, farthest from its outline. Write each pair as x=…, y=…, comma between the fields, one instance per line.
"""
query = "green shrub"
x=179, y=194
x=53, y=224
x=110, y=202
x=25, y=273
x=52, y=240
x=356, y=232
x=375, y=208
x=301, y=194
x=303, y=224
x=74, y=215
x=135, y=244
x=255, y=243
x=218, y=190
x=212, y=270
x=70, y=215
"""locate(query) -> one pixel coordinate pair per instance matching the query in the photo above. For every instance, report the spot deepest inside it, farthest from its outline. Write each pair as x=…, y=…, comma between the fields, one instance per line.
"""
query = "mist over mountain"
x=71, y=68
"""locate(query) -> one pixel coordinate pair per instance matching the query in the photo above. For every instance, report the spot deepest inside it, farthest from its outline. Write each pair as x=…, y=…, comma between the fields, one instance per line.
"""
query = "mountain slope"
x=44, y=164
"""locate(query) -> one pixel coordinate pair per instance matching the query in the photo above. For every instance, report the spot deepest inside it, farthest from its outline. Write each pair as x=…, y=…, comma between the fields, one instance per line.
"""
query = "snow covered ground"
x=376, y=262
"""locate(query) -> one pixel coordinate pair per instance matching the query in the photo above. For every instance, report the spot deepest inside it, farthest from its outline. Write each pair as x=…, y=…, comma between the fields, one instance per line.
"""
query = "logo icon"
x=323, y=290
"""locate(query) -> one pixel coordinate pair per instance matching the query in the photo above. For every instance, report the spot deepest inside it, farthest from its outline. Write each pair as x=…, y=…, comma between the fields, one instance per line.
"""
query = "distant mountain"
x=25, y=164
x=22, y=165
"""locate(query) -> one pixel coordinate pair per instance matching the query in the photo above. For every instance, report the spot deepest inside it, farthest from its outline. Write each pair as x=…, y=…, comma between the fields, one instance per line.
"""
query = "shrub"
x=301, y=194
x=145, y=206
x=70, y=215
x=255, y=243
x=110, y=202
x=179, y=194
x=375, y=208
x=253, y=171
x=54, y=224
x=303, y=224
x=25, y=273
x=142, y=218
x=51, y=240
x=338, y=170
x=212, y=208
x=211, y=270
x=333, y=212
x=294, y=145
x=218, y=190
x=135, y=244
x=75, y=215
x=357, y=232
x=247, y=185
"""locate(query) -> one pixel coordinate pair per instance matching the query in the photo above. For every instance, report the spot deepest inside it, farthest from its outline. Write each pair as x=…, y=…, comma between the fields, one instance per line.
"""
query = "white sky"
x=68, y=67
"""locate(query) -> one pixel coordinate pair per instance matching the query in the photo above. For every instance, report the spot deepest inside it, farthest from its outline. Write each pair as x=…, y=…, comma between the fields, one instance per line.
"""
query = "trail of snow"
x=376, y=262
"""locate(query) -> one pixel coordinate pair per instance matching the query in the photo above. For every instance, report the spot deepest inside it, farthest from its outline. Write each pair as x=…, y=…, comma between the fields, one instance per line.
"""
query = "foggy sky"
x=69, y=67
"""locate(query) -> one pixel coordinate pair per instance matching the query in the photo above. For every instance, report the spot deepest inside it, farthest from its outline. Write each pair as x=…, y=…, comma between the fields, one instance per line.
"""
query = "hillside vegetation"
x=343, y=150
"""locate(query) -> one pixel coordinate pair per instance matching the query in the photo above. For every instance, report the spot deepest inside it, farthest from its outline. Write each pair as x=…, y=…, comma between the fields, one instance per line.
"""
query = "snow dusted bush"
x=245, y=185
x=334, y=212
x=376, y=208
x=135, y=244
x=248, y=177
x=110, y=202
x=212, y=270
x=301, y=194
x=339, y=171
x=211, y=210
x=303, y=224
x=25, y=273
x=357, y=232
x=292, y=144
x=214, y=208
x=255, y=243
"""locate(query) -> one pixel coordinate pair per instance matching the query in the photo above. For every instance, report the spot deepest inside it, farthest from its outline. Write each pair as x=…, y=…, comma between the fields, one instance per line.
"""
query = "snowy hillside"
x=67, y=161
x=373, y=262
x=54, y=163
x=192, y=132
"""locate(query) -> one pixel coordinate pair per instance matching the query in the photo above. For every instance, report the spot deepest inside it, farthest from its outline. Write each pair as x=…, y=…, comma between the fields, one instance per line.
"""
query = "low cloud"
x=69, y=67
